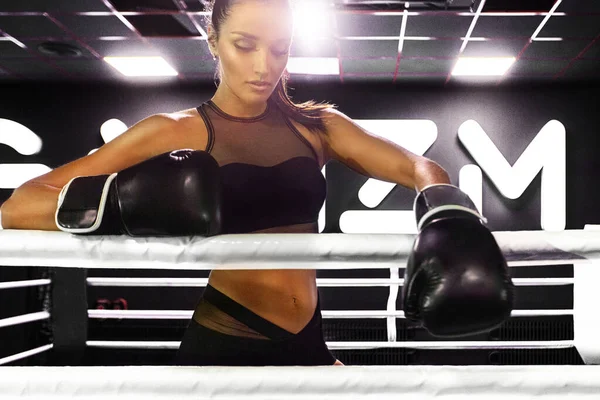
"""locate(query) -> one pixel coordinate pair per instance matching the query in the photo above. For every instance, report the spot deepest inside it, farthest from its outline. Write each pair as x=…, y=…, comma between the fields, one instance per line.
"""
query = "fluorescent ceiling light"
x=141, y=66
x=547, y=39
x=14, y=40
x=541, y=26
x=313, y=65
x=313, y=22
x=482, y=66
x=312, y=19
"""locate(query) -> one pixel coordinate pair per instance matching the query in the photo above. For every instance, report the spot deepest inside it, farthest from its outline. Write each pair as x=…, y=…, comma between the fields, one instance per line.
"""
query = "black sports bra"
x=271, y=175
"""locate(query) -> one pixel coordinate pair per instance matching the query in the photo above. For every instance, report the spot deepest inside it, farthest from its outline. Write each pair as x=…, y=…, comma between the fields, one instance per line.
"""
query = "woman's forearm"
x=427, y=173
x=31, y=206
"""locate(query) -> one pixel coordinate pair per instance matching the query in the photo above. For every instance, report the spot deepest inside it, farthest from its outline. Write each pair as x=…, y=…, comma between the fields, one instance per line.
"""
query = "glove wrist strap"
x=82, y=204
x=435, y=200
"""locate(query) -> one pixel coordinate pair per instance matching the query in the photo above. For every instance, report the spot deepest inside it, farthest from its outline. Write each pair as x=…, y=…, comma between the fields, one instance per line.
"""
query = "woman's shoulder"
x=332, y=115
x=184, y=119
x=182, y=116
x=185, y=127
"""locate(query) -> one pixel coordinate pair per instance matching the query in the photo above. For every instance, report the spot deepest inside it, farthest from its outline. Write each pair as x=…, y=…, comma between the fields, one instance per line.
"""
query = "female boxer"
x=270, y=152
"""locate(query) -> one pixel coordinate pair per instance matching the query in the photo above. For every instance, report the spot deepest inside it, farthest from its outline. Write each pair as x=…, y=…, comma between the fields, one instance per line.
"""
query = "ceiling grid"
x=557, y=41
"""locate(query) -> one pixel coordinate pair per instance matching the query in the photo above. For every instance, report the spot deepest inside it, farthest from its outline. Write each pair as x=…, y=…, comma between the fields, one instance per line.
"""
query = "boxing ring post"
x=586, y=317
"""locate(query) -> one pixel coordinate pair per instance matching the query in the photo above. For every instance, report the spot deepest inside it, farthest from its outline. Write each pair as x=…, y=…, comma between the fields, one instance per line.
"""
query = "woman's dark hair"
x=308, y=113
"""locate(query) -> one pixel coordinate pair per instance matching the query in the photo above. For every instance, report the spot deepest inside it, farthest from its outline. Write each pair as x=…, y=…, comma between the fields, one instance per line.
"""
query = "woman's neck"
x=232, y=105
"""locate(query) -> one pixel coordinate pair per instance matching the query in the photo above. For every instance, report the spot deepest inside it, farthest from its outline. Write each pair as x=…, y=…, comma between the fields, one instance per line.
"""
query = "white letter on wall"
x=25, y=142
x=546, y=153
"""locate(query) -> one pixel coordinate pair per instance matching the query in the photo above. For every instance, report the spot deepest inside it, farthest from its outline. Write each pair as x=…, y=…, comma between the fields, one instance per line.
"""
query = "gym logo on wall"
x=545, y=153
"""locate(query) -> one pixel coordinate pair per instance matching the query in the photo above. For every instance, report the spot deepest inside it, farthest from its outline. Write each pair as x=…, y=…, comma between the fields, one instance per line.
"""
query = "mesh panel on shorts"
x=209, y=316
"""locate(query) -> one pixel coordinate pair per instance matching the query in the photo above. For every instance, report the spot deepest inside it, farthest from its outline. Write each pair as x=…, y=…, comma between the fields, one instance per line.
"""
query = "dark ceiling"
x=375, y=42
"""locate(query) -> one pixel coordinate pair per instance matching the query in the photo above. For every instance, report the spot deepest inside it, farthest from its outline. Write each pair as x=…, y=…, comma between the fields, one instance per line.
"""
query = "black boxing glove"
x=457, y=280
x=173, y=194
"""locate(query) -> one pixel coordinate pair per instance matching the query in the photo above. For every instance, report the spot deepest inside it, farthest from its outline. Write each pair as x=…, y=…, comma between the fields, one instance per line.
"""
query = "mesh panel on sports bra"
x=265, y=140
x=271, y=175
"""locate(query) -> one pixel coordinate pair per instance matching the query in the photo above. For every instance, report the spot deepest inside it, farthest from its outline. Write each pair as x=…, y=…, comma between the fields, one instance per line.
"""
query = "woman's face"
x=253, y=46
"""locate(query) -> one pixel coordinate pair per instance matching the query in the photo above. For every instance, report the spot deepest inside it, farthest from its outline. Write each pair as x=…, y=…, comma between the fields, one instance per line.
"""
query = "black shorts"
x=204, y=346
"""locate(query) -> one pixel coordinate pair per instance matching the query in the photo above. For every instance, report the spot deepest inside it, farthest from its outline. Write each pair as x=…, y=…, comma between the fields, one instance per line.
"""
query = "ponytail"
x=308, y=113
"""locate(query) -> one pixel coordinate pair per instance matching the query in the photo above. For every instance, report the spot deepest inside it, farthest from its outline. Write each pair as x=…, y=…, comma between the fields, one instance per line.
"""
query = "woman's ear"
x=212, y=41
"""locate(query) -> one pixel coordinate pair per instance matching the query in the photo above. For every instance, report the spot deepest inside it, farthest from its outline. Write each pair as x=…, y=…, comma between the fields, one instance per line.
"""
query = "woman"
x=266, y=147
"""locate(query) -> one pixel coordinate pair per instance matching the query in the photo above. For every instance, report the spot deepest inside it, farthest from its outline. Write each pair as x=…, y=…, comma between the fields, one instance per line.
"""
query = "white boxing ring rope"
x=321, y=282
x=271, y=251
x=302, y=251
x=442, y=345
x=299, y=383
x=184, y=314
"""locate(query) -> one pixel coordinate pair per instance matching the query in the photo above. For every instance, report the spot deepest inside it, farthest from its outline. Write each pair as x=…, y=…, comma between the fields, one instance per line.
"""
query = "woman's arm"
x=33, y=204
x=377, y=157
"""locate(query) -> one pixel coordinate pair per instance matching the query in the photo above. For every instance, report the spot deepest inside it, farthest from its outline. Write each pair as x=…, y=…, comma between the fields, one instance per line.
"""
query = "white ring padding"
x=302, y=383
x=441, y=345
x=22, y=355
x=269, y=251
x=333, y=314
x=23, y=284
x=23, y=319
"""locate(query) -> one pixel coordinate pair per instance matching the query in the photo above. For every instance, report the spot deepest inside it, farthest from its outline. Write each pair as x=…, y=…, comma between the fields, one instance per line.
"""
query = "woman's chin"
x=256, y=98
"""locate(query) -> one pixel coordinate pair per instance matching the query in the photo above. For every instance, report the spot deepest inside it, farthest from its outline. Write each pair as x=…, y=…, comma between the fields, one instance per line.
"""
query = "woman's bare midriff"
x=285, y=297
